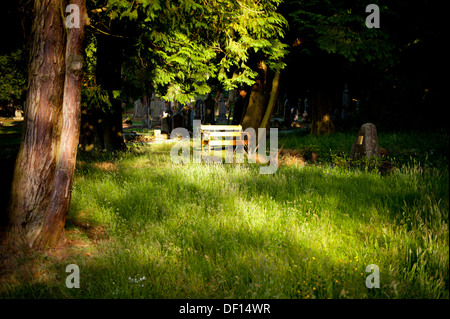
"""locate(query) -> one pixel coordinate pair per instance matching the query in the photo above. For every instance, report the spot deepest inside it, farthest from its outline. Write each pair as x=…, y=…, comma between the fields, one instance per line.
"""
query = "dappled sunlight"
x=106, y=166
x=226, y=231
x=143, y=170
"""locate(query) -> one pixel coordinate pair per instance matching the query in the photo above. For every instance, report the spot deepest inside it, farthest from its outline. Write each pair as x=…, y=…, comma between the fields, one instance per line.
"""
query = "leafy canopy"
x=13, y=76
x=338, y=27
x=186, y=42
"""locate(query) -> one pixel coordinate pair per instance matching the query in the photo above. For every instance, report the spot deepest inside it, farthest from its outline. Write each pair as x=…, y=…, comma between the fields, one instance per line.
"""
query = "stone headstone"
x=138, y=108
x=222, y=110
x=287, y=111
x=156, y=108
x=167, y=110
x=231, y=96
x=366, y=143
x=166, y=125
x=146, y=120
x=18, y=115
x=294, y=114
x=199, y=111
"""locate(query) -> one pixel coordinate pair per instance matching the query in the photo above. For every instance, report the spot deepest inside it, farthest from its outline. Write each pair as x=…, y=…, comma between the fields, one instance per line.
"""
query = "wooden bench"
x=216, y=135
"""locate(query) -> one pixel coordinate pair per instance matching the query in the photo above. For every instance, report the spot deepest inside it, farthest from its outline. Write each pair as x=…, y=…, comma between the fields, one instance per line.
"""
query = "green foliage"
x=135, y=78
x=13, y=74
x=92, y=95
x=185, y=43
x=338, y=27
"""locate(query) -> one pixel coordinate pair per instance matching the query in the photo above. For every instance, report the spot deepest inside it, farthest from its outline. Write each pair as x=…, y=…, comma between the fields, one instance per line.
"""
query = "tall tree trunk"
x=112, y=127
x=259, y=97
x=322, y=107
x=43, y=175
x=265, y=123
x=56, y=215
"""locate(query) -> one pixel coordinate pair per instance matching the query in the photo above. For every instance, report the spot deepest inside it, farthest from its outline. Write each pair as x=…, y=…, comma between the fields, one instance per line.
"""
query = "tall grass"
x=225, y=231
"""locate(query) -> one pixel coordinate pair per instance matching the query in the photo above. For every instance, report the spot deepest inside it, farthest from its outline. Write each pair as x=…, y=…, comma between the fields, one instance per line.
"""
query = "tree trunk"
x=43, y=175
x=87, y=130
x=56, y=215
x=259, y=97
x=265, y=123
x=322, y=106
x=102, y=130
x=113, y=126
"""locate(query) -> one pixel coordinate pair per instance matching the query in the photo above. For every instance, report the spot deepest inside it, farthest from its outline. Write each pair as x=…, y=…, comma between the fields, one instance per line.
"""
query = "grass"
x=10, y=133
x=143, y=227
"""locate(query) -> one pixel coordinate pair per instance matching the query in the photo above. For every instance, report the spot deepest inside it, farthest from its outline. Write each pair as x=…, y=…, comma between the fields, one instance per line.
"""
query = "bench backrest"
x=221, y=127
x=213, y=135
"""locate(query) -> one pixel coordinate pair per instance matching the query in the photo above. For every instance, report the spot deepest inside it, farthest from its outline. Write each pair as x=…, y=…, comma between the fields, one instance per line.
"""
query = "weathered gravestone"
x=166, y=125
x=18, y=115
x=199, y=109
x=222, y=110
x=138, y=108
x=366, y=143
x=146, y=120
x=156, y=109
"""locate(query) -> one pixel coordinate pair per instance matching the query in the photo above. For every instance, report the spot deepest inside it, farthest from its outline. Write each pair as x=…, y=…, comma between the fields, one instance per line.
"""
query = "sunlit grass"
x=225, y=231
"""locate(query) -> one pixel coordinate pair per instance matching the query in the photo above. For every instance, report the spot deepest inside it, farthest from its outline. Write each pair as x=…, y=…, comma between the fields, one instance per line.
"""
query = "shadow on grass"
x=197, y=238
x=171, y=213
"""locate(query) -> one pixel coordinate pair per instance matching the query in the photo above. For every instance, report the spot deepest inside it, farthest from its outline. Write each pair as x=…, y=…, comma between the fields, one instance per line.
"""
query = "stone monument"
x=366, y=143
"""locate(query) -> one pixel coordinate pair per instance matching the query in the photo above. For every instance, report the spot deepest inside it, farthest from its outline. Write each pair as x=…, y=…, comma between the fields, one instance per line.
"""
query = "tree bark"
x=56, y=215
x=43, y=175
x=259, y=97
x=114, y=127
x=265, y=123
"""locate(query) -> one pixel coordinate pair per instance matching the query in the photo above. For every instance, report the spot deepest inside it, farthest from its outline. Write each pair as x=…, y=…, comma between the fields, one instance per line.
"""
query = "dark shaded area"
x=12, y=35
x=404, y=92
x=109, y=62
x=101, y=129
x=10, y=138
x=6, y=173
